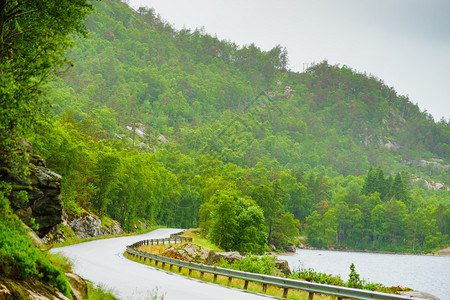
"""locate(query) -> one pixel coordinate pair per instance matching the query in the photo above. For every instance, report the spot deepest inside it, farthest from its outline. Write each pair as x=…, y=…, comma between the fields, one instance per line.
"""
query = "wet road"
x=102, y=262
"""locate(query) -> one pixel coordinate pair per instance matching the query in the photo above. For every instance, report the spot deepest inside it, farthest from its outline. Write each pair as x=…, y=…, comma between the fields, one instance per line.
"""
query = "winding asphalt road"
x=103, y=263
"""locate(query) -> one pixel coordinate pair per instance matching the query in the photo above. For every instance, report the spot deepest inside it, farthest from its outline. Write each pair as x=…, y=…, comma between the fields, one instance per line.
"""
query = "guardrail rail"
x=284, y=283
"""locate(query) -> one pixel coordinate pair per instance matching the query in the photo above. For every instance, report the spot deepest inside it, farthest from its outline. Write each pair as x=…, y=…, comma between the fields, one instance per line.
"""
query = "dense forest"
x=182, y=129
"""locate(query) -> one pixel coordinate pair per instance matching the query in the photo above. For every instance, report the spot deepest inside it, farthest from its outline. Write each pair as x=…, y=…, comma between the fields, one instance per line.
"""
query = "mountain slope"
x=163, y=124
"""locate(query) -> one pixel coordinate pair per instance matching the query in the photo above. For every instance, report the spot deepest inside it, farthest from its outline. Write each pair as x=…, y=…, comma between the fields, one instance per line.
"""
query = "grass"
x=200, y=240
x=60, y=261
x=98, y=292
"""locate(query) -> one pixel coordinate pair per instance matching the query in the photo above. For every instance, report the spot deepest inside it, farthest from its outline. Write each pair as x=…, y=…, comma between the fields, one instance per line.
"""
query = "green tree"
x=237, y=223
x=285, y=229
x=34, y=35
x=265, y=198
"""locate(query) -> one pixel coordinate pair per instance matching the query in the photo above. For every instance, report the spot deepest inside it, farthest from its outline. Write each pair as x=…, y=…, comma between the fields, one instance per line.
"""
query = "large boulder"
x=445, y=252
x=85, y=225
x=5, y=293
x=291, y=248
x=78, y=287
x=186, y=252
x=37, y=242
x=283, y=266
x=43, y=187
x=89, y=225
x=419, y=295
x=215, y=257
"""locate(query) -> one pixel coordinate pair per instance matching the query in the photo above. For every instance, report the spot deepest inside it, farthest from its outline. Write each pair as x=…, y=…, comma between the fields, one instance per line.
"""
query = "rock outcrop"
x=186, y=252
x=215, y=257
x=445, y=251
x=43, y=187
x=5, y=293
x=291, y=248
x=86, y=225
x=37, y=242
x=78, y=287
x=419, y=295
x=283, y=266
x=12, y=290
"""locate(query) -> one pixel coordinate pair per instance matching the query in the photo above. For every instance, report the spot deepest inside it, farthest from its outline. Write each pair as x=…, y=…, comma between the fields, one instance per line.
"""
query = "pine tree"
x=369, y=183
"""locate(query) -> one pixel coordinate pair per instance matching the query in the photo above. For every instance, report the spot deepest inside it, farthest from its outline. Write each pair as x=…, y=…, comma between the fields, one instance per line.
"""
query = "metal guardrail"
x=173, y=239
x=285, y=283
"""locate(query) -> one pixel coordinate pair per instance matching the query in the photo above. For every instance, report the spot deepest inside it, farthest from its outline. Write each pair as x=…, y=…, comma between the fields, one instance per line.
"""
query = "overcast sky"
x=406, y=43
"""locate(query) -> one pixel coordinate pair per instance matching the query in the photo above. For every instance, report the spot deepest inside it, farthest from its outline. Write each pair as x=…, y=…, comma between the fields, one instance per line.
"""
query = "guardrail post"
x=285, y=292
x=338, y=293
x=163, y=265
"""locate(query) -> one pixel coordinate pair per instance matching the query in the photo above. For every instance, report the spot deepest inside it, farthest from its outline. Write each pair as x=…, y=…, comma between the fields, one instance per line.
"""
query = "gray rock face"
x=29, y=293
x=89, y=225
x=43, y=187
x=283, y=266
x=291, y=248
x=78, y=287
x=420, y=295
x=186, y=252
x=445, y=251
x=37, y=242
x=215, y=257
x=86, y=226
x=5, y=293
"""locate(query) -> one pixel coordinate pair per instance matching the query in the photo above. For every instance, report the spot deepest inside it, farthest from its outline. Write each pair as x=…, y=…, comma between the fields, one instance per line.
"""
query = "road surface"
x=103, y=263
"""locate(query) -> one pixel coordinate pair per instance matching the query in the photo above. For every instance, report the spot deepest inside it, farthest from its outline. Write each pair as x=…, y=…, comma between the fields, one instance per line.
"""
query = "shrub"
x=19, y=259
x=313, y=276
x=255, y=264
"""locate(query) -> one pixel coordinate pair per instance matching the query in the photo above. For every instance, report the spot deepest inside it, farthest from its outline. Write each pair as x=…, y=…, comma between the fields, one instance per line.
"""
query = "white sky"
x=406, y=43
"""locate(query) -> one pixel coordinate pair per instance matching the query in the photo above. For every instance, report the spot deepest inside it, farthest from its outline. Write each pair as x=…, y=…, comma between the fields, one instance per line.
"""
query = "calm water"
x=419, y=272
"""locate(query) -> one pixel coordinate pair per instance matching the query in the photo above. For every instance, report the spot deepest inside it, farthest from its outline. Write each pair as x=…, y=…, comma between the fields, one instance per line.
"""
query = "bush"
x=354, y=280
x=19, y=259
x=313, y=276
x=255, y=264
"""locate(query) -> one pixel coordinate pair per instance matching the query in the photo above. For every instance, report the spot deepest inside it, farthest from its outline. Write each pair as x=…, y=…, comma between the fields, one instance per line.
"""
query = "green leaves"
x=236, y=223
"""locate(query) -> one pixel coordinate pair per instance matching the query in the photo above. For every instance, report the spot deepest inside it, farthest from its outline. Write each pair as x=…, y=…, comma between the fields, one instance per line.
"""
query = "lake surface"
x=419, y=272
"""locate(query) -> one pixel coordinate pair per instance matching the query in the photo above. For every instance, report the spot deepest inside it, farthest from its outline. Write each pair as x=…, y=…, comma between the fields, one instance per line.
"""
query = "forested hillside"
x=183, y=129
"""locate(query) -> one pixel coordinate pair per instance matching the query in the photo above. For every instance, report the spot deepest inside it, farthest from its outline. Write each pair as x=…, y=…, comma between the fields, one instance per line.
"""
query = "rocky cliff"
x=44, y=205
x=84, y=226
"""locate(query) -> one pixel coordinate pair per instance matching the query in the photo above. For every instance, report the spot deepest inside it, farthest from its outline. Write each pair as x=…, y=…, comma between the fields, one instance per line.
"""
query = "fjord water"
x=419, y=272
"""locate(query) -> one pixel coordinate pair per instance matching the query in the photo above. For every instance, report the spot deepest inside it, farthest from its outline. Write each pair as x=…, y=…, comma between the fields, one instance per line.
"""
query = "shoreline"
x=366, y=251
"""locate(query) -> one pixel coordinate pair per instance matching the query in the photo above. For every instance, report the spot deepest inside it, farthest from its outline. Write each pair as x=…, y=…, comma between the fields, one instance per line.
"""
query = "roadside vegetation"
x=263, y=264
x=235, y=283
